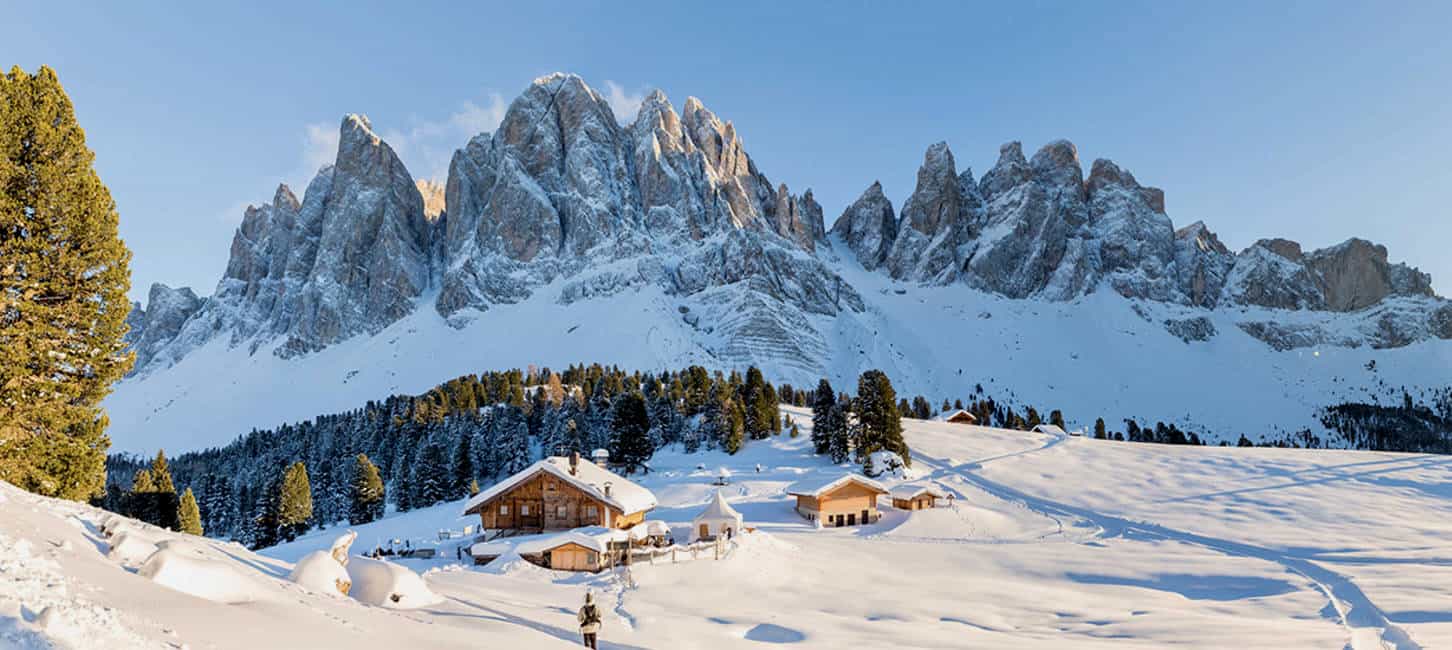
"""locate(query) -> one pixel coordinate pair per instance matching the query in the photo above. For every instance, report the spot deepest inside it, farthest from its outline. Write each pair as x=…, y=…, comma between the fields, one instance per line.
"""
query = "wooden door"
x=530, y=513
x=705, y=531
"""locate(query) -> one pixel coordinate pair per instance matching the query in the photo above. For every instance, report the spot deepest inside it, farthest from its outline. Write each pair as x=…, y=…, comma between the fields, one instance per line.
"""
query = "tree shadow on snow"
x=1337, y=474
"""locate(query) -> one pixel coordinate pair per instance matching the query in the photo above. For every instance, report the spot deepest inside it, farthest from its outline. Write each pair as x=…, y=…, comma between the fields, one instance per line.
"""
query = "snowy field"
x=1052, y=543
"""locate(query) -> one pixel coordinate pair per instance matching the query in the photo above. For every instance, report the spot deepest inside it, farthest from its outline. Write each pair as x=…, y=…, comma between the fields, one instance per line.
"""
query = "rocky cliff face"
x=559, y=190
x=154, y=327
x=350, y=258
x=563, y=192
x=1036, y=228
x=868, y=226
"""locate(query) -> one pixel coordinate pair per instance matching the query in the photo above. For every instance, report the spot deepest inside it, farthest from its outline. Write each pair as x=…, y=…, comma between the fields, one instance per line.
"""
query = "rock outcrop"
x=868, y=227
x=154, y=327
x=1203, y=264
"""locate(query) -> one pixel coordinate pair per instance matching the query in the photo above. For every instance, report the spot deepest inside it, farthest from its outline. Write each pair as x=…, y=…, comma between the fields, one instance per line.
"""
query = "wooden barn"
x=560, y=493
x=846, y=500
x=959, y=416
x=910, y=496
x=586, y=549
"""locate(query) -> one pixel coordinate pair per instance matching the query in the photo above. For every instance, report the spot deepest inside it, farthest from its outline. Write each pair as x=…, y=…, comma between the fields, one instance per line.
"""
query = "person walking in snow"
x=589, y=620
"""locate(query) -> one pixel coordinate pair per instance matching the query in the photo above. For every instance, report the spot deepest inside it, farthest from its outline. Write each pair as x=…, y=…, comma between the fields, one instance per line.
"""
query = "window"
x=561, y=512
x=524, y=510
x=591, y=511
x=503, y=509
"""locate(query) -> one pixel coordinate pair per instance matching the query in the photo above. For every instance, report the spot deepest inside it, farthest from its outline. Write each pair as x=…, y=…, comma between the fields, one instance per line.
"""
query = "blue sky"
x=1313, y=121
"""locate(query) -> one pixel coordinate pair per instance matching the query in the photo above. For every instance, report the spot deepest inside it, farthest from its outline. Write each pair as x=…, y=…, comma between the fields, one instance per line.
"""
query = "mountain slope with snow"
x=1100, y=355
x=1050, y=542
x=566, y=236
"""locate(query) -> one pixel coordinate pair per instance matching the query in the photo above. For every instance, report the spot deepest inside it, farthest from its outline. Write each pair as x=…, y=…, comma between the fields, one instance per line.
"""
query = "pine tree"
x=1056, y=418
x=294, y=502
x=430, y=478
x=63, y=304
x=189, y=517
x=263, y=515
x=1099, y=429
x=512, y=432
x=752, y=397
x=156, y=500
x=877, y=414
x=839, y=433
x=139, y=500
x=630, y=432
x=462, y=471
x=733, y=426
x=822, y=403
x=366, y=492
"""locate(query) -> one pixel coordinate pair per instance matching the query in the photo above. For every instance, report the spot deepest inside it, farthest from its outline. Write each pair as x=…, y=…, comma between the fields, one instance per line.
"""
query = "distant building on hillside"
x=909, y=496
x=561, y=493
x=959, y=416
x=846, y=500
x=1051, y=429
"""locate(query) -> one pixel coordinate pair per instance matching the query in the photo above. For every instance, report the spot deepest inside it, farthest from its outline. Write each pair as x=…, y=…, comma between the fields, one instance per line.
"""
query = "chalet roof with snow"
x=908, y=491
x=817, y=486
x=595, y=538
x=1051, y=429
x=625, y=496
x=957, y=415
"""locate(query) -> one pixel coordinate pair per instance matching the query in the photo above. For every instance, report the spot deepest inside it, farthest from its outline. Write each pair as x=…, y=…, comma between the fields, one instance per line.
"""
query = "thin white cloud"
x=427, y=145
x=474, y=119
x=319, y=148
x=625, y=105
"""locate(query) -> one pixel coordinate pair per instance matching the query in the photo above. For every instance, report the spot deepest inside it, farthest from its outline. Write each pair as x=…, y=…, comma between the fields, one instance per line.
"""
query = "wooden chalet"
x=846, y=500
x=916, y=497
x=560, y=493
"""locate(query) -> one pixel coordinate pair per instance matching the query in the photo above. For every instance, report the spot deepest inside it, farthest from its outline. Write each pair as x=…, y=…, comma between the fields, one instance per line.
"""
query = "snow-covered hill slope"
x=62, y=587
x=1051, y=543
x=1099, y=355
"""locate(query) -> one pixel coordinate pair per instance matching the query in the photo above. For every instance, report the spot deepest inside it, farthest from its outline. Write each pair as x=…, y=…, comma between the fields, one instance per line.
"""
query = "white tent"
x=719, y=519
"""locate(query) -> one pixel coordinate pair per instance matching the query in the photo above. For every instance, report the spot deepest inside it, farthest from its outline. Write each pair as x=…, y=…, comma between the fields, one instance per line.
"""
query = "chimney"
x=574, y=462
x=607, y=488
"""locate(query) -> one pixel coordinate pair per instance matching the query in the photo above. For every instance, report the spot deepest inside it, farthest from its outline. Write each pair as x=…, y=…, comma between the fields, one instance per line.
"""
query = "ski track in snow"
x=1365, y=622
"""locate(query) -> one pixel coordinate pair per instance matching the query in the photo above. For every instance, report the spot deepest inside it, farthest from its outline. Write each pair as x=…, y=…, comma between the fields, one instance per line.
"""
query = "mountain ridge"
x=564, y=199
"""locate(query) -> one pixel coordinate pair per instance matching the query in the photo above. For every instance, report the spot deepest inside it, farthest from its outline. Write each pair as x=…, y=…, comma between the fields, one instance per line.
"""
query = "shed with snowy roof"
x=560, y=493
x=838, y=500
x=959, y=416
x=1051, y=429
x=718, y=519
x=584, y=549
x=916, y=496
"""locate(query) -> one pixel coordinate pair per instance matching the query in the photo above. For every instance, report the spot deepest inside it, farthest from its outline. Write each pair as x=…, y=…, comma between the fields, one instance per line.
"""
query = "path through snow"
x=1367, y=625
